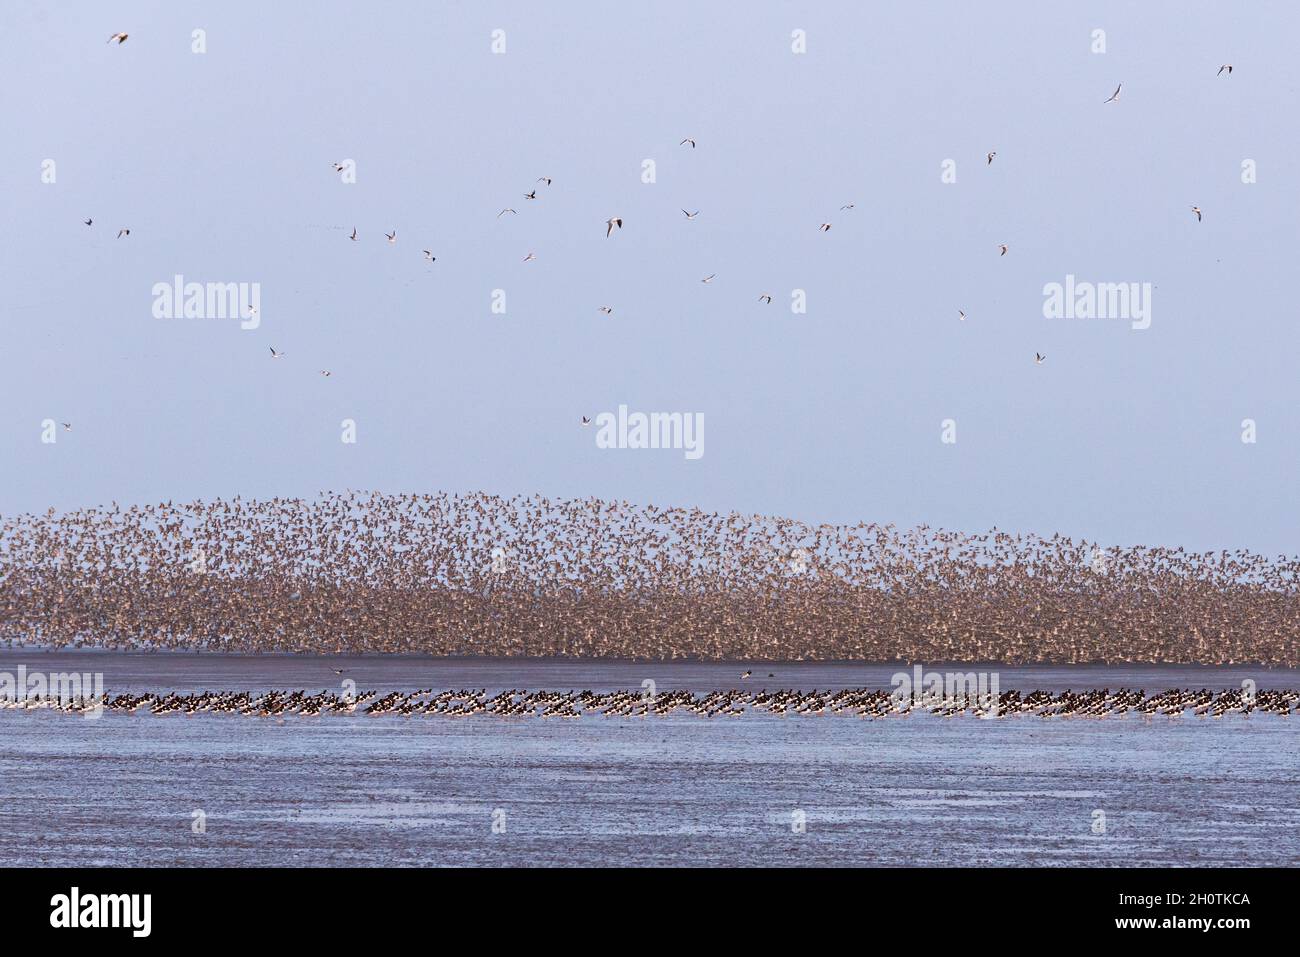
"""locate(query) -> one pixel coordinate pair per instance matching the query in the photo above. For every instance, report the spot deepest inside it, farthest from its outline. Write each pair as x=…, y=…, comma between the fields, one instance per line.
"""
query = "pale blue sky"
x=220, y=165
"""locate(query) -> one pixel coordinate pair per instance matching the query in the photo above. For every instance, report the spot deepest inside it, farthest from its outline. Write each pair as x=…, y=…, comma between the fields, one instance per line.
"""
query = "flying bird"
x=428, y=254
x=766, y=297
x=849, y=206
x=687, y=140
x=326, y=373
x=746, y=675
x=119, y=37
x=690, y=215
x=1197, y=211
x=1113, y=96
x=825, y=227
x=532, y=195
x=504, y=211
x=1226, y=66
x=607, y=310
x=392, y=237
x=353, y=237
x=1003, y=247
x=961, y=316
x=274, y=354
x=544, y=179
x=991, y=155
x=339, y=167
x=88, y=221
x=123, y=232
x=611, y=223
x=67, y=426
x=1038, y=359
x=586, y=421
x=708, y=278
x=530, y=257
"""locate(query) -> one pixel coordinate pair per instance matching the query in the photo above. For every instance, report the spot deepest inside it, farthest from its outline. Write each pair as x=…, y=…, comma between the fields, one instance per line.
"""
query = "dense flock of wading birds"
x=853, y=702
x=476, y=574
x=616, y=222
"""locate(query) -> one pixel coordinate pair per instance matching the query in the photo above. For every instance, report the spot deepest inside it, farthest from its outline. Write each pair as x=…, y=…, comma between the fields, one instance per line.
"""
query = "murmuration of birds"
x=516, y=703
x=481, y=575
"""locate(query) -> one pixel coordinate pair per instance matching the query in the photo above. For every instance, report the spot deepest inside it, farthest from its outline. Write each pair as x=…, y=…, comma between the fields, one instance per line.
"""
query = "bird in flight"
x=119, y=37
x=687, y=140
x=690, y=215
x=392, y=237
x=607, y=310
x=326, y=373
x=504, y=211
x=991, y=155
x=274, y=354
x=353, y=237
x=611, y=223
x=1197, y=211
x=1226, y=66
x=88, y=221
x=708, y=278
x=586, y=421
x=530, y=257
x=746, y=675
x=825, y=227
x=1113, y=96
x=544, y=179
x=1038, y=359
x=337, y=671
x=339, y=167
x=123, y=232
x=532, y=195
x=849, y=206
x=67, y=426
x=961, y=316
x=766, y=297
x=428, y=254
x=1003, y=247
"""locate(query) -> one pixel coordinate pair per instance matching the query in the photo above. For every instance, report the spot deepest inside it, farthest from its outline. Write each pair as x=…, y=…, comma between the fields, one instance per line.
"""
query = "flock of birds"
x=616, y=222
x=854, y=702
x=477, y=574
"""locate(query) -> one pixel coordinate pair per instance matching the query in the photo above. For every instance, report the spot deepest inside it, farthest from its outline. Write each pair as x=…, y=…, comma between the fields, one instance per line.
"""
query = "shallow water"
x=677, y=790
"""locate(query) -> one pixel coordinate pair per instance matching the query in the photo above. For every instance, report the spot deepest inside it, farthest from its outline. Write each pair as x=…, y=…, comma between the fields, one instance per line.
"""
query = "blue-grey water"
x=677, y=790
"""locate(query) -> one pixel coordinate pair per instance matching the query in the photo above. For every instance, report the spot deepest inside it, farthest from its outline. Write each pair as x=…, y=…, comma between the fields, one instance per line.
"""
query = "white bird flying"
x=825, y=227
x=504, y=211
x=353, y=237
x=1038, y=359
x=428, y=254
x=690, y=215
x=123, y=232
x=991, y=155
x=708, y=278
x=1003, y=247
x=1197, y=211
x=1226, y=66
x=274, y=354
x=530, y=257
x=687, y=140
x=1115, y=95
x=611, y=223
x=119, y=37
x=607, y=310
x=392, y=237
x=766, y=297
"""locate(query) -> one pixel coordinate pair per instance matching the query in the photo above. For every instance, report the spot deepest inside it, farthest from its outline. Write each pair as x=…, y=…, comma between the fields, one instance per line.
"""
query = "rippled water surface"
x=679, y=790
